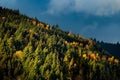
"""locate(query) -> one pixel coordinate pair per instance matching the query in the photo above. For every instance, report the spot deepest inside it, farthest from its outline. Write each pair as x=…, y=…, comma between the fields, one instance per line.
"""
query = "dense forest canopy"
x=33, y=50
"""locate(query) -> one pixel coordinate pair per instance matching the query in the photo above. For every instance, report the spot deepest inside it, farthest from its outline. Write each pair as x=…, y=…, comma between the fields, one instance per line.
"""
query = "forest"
x=112, y=48
x=33, y=50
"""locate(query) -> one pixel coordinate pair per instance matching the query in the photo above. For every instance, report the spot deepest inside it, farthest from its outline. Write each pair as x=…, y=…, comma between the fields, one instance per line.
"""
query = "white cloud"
x=56, y=6
x=97, y=7
x=7, y=2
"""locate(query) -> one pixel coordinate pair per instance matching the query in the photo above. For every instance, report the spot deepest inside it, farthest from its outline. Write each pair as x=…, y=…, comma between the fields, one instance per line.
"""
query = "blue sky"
x=98, y=19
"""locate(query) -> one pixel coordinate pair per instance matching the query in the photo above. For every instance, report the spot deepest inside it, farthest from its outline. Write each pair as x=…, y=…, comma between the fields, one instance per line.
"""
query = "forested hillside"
x=34, y=50
x=113, y=49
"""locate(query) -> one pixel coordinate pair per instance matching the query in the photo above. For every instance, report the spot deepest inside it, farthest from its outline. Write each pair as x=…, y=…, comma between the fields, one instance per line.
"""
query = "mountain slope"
x=33, y=50
x=114, y=49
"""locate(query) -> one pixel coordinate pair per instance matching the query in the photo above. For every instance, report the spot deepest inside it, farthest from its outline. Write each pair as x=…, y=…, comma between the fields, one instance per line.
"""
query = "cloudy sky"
x=98, y=19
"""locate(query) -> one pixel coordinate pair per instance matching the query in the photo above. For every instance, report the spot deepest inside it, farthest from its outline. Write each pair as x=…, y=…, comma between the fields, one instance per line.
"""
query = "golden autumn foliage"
x=97, y=56
x=79, y=37
x=90, y=41
x=65, y=58
x=116, y=61
x=74, y=43
x=49, y=53
x=81, y=44
x=18, y=54
x=93, y=56
x=65, y=42
x=70, y=34
x=110, y=59
x=89, y=53
x=71, y=63
x=34, y=22
x=41, y=24
x=30, y=30
x=104, y=58
x=84, y=56
x=47, y=27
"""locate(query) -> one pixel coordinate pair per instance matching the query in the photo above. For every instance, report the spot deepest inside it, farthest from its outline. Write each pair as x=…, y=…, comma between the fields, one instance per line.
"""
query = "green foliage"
x=31, y=52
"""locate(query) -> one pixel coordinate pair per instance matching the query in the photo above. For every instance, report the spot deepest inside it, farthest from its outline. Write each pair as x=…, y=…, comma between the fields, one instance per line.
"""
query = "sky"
x=98, y=19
